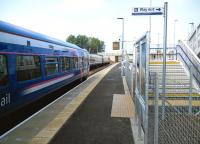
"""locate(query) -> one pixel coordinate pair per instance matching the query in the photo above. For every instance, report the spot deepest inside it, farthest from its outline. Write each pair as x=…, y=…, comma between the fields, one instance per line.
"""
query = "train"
x=33, y=65
x=98, y=60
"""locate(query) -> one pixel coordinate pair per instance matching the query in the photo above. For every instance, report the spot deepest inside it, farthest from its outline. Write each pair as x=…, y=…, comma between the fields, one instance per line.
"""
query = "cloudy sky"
x=98, y=18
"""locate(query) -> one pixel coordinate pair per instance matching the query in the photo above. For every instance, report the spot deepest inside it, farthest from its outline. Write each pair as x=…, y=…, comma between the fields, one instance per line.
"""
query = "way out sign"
x=147, y=11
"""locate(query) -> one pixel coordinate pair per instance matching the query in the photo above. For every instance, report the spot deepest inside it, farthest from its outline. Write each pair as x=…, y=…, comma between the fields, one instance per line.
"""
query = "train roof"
x=16, y=30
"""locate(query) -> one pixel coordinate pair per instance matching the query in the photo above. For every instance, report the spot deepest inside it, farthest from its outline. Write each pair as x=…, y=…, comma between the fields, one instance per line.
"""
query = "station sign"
x=115, y=45
x=147, y=11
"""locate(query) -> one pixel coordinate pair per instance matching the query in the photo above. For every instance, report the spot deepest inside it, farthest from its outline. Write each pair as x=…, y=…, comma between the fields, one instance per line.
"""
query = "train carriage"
x=33, y=65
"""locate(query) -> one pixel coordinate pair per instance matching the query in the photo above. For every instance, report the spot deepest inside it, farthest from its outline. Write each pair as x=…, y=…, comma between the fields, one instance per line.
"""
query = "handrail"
x=188, y=57
x=183, y=44
x=185, y=54
x=158, y=56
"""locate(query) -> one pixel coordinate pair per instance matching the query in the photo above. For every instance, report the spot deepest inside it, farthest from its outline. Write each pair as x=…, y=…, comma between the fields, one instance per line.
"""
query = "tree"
x=82, y=41
x=71, y=39
x=101, y=46
x=93, y=45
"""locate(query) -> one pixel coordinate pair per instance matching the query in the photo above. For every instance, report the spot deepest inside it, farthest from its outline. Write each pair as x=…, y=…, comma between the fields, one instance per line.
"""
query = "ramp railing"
x=189, y=59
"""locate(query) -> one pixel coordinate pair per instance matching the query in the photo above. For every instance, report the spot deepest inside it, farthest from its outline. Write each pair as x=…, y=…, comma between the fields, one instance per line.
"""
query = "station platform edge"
x=44, y=127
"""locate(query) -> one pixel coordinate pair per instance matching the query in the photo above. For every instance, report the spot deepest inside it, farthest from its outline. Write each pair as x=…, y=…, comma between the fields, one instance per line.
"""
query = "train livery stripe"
x=20, y=40
x=37, y=87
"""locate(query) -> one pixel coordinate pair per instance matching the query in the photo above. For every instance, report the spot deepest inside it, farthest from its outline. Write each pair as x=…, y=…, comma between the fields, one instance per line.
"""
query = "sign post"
x=164, y=59
x=142, y=11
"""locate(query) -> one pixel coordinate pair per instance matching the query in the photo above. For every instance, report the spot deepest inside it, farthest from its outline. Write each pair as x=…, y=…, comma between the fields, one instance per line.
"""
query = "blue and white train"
x=33, y=65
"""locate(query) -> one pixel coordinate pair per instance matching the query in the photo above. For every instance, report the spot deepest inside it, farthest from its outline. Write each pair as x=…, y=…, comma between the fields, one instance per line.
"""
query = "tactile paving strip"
x=122, y=106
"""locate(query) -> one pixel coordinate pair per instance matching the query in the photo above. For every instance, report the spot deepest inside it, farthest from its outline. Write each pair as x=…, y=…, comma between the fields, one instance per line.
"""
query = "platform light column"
x=122, y=47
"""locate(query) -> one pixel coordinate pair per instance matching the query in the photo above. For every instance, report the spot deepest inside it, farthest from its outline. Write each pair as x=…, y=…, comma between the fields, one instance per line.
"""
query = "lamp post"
x=175, y=32
x=122, y=48
x=192, y=26
x=191, y=29
x=175, y=36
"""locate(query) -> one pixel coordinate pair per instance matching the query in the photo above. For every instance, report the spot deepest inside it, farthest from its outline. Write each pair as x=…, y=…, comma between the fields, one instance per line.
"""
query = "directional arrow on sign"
x=158, y=9
x=147, y=11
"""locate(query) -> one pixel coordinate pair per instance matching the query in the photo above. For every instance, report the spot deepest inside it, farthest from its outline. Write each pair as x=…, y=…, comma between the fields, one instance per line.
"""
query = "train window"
x=3, y=70
x=65, y=63
x=28, y=67
x=51, y=65
x=74, y=63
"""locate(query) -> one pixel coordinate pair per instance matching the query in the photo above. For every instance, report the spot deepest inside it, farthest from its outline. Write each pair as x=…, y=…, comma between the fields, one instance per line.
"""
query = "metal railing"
x=182, y=53
x=189, y=59
x=156, y=54
x=181, y=121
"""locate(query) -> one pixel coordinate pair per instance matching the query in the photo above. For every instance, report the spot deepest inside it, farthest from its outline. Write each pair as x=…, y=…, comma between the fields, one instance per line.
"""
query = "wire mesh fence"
x=177, y=125
x=173, y=116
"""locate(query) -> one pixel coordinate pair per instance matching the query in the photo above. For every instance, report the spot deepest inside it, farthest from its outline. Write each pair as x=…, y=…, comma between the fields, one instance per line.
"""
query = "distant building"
x=194, y=40
x=115, y=55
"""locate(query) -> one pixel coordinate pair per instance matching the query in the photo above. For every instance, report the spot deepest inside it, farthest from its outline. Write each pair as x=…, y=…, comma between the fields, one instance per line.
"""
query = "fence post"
x=190, y=93
x=164, y=59
x=140, y=90
x=147, y=89
x=176, y=52
x=139, y=124
x=156, y=109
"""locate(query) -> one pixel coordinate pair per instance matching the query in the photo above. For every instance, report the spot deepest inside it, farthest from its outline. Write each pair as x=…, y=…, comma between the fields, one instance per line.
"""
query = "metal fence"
x=177, y=125
x=172, y=117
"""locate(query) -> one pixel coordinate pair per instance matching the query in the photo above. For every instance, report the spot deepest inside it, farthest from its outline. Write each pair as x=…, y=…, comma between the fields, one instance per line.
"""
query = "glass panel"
x=28, y=67
x=3, y=70
x=65, y=63
x=51, y=65
x=72, y=63
x=51, y=59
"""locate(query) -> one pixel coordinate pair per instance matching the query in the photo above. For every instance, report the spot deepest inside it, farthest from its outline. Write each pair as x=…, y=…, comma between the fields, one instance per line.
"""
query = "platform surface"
x=92, y=122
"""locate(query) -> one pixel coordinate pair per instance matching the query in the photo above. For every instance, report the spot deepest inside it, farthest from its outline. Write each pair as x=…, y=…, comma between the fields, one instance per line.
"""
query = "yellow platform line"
x=47, y=134
x=176, y=103
x=168, y=62
x=177, y=94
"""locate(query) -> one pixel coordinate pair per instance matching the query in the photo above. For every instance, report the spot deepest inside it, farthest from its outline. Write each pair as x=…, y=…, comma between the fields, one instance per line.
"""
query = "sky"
x=98, y=18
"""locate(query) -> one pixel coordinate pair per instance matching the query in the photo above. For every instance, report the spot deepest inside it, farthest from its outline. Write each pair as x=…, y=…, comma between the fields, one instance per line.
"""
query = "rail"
x=182, y=53
x=189, y=58
x=156, y=54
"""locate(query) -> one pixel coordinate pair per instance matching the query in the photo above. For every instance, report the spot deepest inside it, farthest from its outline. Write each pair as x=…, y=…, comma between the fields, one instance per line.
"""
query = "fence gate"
x=141, y=84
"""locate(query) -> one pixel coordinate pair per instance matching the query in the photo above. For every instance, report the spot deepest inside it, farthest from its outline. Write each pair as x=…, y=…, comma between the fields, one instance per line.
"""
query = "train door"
x=85, y=63
x=27, y=75
x=5, y=86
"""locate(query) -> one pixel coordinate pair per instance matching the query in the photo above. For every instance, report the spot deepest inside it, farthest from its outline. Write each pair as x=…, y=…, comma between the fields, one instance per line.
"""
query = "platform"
x=81, y=116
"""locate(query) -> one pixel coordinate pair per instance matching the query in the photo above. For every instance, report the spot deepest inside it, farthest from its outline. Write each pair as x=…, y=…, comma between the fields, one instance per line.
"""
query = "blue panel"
x=153, y=13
